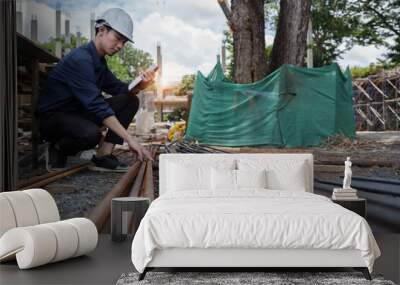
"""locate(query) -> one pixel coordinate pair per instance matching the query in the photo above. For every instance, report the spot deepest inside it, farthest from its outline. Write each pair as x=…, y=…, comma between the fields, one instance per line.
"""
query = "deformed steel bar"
x=48, y=178
x=191, y=148
x=43, y=180
x=200, y=149
x=213, y=148
x=100, y=214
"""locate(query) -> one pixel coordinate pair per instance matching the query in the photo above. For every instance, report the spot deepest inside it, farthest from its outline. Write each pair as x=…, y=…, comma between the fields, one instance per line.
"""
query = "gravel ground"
x=90, y=188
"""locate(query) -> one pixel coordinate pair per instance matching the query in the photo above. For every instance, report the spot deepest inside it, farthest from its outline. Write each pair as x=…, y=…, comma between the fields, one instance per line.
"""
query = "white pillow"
x=227, y=179
x=251, y=178
x=282, y=174
x=183, y=177
x=223, y=179
x=183, y=174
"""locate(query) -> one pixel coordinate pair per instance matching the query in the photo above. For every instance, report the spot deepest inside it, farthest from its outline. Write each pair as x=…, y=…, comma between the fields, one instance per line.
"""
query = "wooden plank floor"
x=110, y=260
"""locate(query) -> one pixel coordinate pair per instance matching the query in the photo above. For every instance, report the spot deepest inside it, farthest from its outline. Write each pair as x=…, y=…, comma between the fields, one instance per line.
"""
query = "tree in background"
x=50, y=45
x=248, y=25
x=247, y=22
x=129, y=63
x=228, y=39
x=290, y=43
x=186, y=85
x=338, y=25
x=384, y=17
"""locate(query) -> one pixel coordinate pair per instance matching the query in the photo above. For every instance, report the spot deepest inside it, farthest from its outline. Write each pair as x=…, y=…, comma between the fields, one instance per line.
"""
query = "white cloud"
x=190, y=32
x=361, y=56
x=183, y=44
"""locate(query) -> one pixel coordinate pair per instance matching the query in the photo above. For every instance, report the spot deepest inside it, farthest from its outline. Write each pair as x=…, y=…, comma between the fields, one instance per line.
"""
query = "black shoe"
x=108, y=162
x=57, y=159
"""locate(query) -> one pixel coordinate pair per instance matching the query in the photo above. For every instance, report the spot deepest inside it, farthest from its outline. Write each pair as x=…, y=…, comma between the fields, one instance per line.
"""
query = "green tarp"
x=291, y=107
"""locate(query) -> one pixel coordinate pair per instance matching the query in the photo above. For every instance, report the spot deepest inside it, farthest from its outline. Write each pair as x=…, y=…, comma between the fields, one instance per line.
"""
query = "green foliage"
x=337, y=27
x=186, y=85
x=383, y=16
x=129, y=63
x=118, y=68
x=373, y=68
x=178, y=114
x=340, y=24
x=394, y=52
x=228, y=40
x=51, y=44
x=362, y=72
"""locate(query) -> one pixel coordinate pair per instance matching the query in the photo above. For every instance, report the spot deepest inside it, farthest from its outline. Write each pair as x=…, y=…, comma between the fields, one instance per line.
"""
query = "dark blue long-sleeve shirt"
x=76, y=83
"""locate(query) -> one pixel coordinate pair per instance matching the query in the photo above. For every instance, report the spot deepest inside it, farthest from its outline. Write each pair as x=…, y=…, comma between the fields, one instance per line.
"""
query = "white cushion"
x=23, y=208
x=223, y=179
x=226, y=179
x=45, y=206
x=251, y=178
x=33, y=246
x=27, y=208
x=41, y=244
x=7, y=218
x=87, y=235
x=67, y=240
x=282, y=174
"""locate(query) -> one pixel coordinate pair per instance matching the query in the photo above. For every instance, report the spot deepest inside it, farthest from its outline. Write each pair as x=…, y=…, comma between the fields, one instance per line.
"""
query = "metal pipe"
x=43, y=180
x=148, y=186
x=100, y=214
x=135, y=189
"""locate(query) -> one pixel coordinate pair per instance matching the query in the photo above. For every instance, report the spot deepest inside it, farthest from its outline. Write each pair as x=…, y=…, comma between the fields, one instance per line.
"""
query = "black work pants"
x=77, y=131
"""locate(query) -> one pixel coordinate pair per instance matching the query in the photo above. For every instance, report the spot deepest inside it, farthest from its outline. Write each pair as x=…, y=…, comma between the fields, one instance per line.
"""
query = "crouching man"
x=72, y=109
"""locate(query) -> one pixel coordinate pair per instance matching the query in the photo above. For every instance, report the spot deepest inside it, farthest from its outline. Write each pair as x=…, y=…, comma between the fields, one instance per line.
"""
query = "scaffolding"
x=377, y=102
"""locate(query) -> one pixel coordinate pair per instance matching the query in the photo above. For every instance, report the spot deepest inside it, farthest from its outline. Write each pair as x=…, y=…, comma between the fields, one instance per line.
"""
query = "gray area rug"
x=273, y=278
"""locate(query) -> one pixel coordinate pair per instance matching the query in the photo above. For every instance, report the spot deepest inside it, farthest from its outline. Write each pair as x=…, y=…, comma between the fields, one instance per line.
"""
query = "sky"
x=190, y=32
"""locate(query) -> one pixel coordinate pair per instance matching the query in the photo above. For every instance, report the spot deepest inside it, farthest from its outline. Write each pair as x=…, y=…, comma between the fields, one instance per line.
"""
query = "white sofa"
x=31, y=230
x=290, y=175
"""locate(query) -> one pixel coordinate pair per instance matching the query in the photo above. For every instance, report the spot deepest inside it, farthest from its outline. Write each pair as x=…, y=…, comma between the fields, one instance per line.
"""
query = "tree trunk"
x=247, y=23
x=290, y=44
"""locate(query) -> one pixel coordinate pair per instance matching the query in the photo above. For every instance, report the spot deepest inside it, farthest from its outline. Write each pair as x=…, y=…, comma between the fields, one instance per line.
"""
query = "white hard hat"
x=118, y=20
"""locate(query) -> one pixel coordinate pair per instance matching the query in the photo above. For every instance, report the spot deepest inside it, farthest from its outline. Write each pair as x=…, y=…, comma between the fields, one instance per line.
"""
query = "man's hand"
x=139, y=149
x=147, y=78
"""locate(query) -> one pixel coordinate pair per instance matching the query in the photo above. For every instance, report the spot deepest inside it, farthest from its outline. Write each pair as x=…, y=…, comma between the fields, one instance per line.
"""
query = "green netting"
x=291, y=107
